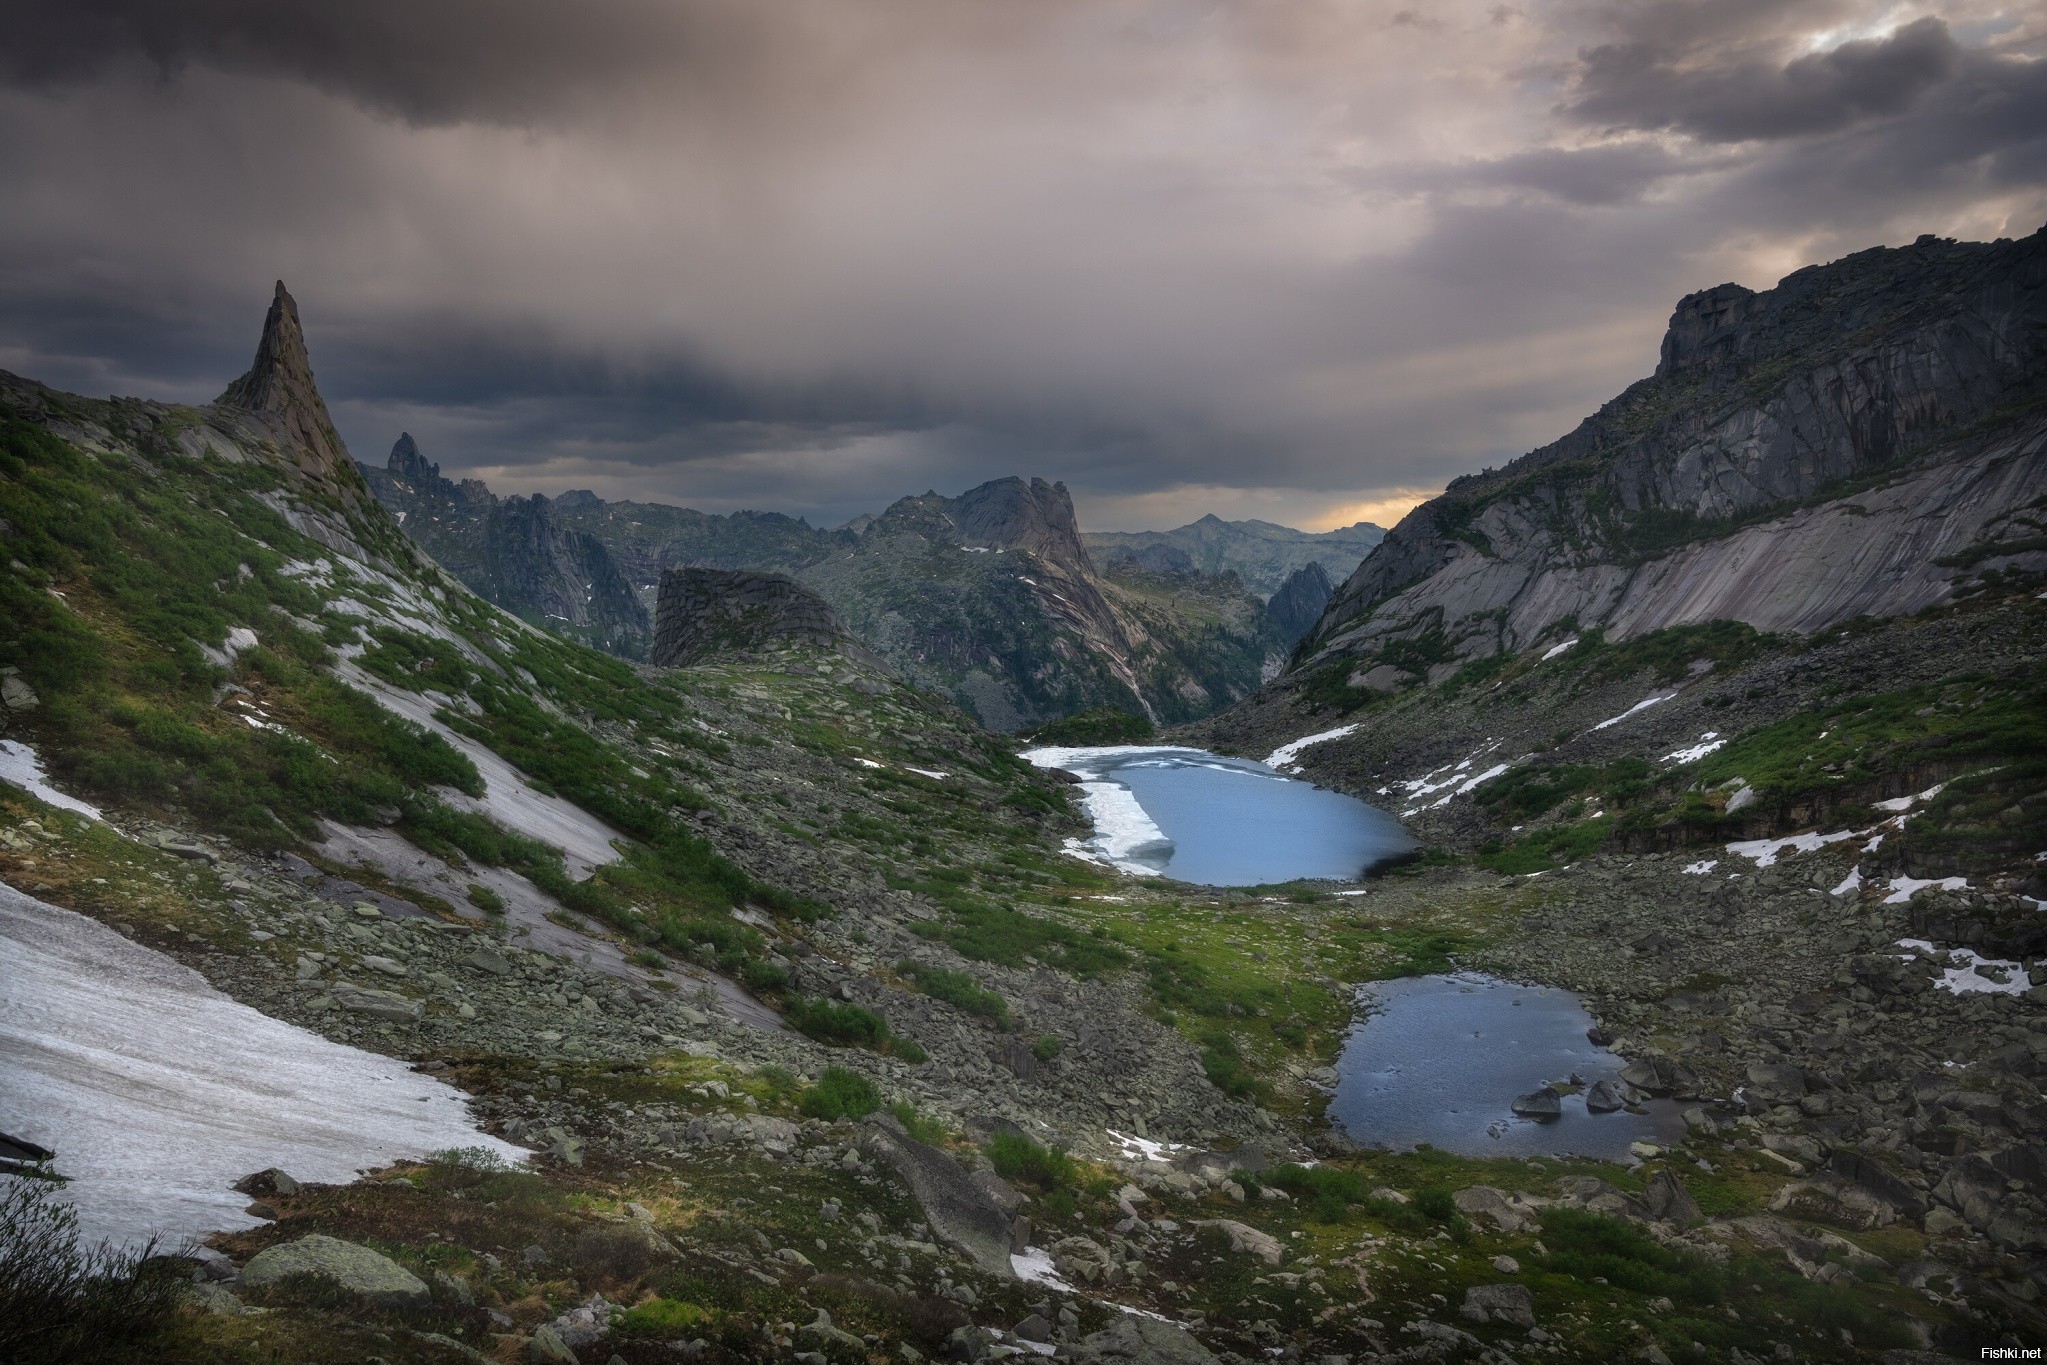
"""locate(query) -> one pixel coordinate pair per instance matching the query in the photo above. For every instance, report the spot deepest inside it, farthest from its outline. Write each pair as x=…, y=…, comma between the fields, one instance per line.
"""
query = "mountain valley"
x=1724, y=713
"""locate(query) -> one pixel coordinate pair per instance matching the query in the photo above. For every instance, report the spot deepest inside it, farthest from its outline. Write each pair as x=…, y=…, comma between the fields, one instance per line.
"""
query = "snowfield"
x=157, y=1092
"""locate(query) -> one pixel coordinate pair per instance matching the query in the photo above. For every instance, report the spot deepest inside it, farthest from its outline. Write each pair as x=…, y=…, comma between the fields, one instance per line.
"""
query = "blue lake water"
x=1439, y=1059
x=1199, y=817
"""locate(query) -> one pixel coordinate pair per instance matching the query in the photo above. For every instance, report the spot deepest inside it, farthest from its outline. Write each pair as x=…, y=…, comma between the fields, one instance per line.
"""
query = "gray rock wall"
x=1849, y=443
x=702, y=612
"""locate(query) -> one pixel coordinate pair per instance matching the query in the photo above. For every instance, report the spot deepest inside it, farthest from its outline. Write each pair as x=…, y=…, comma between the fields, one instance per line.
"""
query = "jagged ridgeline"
x=994, y=598
x=207, y=618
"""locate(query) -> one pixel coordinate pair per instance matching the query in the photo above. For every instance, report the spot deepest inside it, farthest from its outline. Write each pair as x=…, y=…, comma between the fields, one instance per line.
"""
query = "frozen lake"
x=1439, y=1059
x=157, y=1092
x=1199, y=817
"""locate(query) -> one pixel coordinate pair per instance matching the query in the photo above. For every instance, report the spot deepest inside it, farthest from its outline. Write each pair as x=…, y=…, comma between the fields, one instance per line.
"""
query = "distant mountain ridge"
x=1260, y=553
x=991, y=597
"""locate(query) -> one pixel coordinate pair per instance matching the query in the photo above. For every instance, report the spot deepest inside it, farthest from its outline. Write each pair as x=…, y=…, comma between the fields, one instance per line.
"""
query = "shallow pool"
x=1440, y=1059
x=1199, y=817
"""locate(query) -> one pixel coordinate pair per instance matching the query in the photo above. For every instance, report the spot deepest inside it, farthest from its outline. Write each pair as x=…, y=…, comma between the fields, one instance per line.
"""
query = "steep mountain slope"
x=1835, y=447
x=1259, y=553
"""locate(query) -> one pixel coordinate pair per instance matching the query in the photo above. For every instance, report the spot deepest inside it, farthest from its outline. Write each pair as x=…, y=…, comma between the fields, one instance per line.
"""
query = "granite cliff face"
x=515, y=552
x=1854, y=442
x=993, y=598
x=1298, y=604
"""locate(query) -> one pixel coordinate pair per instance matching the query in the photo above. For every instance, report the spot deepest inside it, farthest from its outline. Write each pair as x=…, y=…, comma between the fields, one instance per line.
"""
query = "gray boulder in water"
x=1603, y=1098
x=1544, y=1103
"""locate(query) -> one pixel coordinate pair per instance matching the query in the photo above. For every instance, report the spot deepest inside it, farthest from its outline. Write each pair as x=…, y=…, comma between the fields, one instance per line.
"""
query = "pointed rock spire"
x=278, y=391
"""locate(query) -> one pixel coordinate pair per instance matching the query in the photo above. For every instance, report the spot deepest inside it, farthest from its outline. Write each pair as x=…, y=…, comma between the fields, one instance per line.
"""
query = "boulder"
x=1669, y=1201
x=1144, y=1340
x=1657, y=1074
x=357, y=1269
x=546, y=1347
x=1510, y=1303
x=378, y=1004
x=1539, y=1104
x=1483, y=1201
x=1603, y=1098
x=960, y=1212
x=1263, y=1245
x=1862, y=1172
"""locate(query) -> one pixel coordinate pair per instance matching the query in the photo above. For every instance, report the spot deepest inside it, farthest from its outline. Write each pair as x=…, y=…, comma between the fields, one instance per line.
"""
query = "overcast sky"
x=1299, y=259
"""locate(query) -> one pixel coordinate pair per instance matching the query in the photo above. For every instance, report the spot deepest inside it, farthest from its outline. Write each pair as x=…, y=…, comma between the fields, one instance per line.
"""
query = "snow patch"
x=157, y=1092
x=1287, y=755
x=585, y=841
x=1764, y=852
x=1700, y=869
x=1977, y=975
x=20, y=766
x=1899, y=804
x=926, y=772
x=1905, y=888
x=1034, y=1265
x=869, y=763
x=1850, y=884
x=1143, y=1148
x=1708, y=742
x=1555, y=650
x=1639, y=706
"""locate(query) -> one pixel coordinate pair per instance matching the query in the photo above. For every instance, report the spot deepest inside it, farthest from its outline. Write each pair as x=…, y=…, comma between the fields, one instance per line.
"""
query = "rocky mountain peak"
x=278, y=392
x=408, y=464
x=1700, y=325
x=1035, y=516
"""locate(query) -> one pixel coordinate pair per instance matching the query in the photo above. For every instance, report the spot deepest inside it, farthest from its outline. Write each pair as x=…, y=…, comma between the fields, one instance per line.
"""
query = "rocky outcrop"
x=707, y=612
x=960, y=1212
x=1850, y=443
x=279, y=398
x=1298, y=604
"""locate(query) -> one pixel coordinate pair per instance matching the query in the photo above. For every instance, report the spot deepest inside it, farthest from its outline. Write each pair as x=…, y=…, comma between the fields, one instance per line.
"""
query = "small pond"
x=1439, y=1059
x=1199, y=817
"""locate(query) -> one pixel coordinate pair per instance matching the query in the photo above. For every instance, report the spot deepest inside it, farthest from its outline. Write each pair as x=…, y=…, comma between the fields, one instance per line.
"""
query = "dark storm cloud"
x=427, y=61
x=809, y=255
x=1651, y=86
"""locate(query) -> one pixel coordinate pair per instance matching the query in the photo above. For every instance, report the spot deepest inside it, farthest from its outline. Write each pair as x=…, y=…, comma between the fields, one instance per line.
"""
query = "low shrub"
x=840, y=1094
x=63, y=1302
x=662, y=1319
x=829, y=1021
x=957, y=989
x=1015, y=1157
